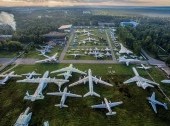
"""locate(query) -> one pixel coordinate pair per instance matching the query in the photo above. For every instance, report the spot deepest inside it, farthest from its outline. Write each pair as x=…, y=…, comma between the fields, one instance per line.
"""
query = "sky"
x=52, y=3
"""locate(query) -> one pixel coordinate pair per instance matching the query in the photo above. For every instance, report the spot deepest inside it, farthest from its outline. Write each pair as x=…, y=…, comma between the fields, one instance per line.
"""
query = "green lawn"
x=135, y=110
x=7, y=54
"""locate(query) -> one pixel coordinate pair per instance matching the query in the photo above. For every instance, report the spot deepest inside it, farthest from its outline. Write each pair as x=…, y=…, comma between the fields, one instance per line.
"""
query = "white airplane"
x=46, y=123
x=108, y=54
x=31, y=75
x=166, y=81
x=64, y=95
x=107, y=105
x=68, y=71
x=76, y=55
x=99, y=56
x=24, y=118
x=83, y=42
x=42, y=85
x=144, y=67
x=127, y=61
x=107, y=49
x=90, y=79
x=140, y=81
x=43, y=51
x=154, y=102
x=89, y=39
x=88, y=34
x=124, y=50
x=48, y=59
x=7, y=77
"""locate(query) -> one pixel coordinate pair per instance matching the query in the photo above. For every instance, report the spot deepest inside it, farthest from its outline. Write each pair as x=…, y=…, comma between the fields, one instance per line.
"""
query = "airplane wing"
x=40, y=61
x=54, y=80
x=100, y=81
x=79, y=82
x=148, y=81
x=55, y=93
x=115, y=104
x=153, y=106
x=145, y=85
x=99, y=106
x=15, y=75
x=73, y=95
x=46, y=56
x=60, y=70
x=77, y=71
x=153, y=95
x=133, y=79
x=37, y=80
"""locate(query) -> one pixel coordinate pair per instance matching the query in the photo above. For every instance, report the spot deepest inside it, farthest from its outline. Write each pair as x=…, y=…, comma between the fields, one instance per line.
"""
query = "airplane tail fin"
x=91, y=94
x=165, y=106
x=61, y=105
x=33, y=97
x=111, y=113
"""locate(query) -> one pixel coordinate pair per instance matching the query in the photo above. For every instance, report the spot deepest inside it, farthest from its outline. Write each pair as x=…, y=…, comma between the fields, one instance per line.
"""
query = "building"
x=57, y=38
x=65, y=28
x=130, y=23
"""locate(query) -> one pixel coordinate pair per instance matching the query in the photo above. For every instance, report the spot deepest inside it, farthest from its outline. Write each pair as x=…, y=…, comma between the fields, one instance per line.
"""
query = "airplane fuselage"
x=90, y=81
x=107, y=105
x=64, y=96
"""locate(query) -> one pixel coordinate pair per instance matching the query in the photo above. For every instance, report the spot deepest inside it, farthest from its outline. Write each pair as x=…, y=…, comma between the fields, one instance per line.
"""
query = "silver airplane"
x=24, y=118
x=128, y=61
x=49, y=59
x=30, y=75
x=89, y=39
x=7, y=77
x=107, y=105
x=90, y=79
x=107, y=54
x=144, y=67
x=154, y=102
x=88, y=34
x=64, y=95
x=76, y=55
x=68, y=71
x=42, y=85
x=140, y=81
x=166, y=81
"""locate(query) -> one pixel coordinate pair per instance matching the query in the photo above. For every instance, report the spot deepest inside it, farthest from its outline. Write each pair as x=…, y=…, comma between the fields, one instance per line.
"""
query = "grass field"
x=135, y=110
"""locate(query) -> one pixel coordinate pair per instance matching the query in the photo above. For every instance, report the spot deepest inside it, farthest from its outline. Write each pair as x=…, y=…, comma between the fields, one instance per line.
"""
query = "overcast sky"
x=84, y=2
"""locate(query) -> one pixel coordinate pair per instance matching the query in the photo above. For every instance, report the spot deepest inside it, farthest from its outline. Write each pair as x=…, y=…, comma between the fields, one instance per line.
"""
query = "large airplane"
x=90, y=79
x=64, y=95
x=140, y=81
x=107, y=105
x=68, y=71
x=76, y=55
x=128, y=61
x=166, y=81
x=154, y=102
x=124, y=50
x=24, y=118
x=144, y=67
x=30, y=75
x=48, y=59
x=7, y=77
x=42, y=85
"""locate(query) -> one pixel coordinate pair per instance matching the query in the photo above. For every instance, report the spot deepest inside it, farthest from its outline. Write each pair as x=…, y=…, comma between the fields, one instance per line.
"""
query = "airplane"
x=24, y=118
x=88, y=34
x=144, y=67
x=107, y=105
x=46, y=123
x=89, y=39
x=83, y=42
x=154, y=102
x=48, y=59
x=90, y=79
x=140, y=81
x=99, y=56
x=30, y=75
x=68, y=71
x=42, y=85
x=107, y=49
x=64, y=95
x=166, y=81
x=76, y=55
x=7, y=77
x=124, y=50
x=108, y=54
x=43, y=51
x=127, y=61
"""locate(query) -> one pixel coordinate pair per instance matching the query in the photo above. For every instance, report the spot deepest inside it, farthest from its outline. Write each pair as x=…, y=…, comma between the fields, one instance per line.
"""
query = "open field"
x=135, y=111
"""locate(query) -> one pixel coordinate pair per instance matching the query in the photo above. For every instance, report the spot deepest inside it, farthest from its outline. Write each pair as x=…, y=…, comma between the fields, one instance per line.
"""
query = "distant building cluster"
x=130, y=23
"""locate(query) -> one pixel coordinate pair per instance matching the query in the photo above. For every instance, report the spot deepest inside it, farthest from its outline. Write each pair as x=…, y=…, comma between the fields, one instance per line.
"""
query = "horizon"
x=87, y=3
